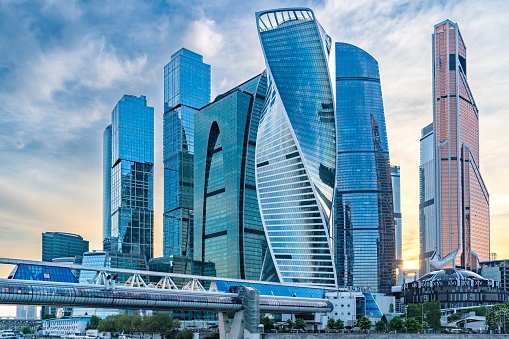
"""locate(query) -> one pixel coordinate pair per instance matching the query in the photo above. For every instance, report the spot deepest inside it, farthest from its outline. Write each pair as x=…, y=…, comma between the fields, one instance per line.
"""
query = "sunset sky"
x=65, y=64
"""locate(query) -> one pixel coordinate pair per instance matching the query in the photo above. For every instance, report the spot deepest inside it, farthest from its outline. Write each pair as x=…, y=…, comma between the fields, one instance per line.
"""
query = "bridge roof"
x=275, y=289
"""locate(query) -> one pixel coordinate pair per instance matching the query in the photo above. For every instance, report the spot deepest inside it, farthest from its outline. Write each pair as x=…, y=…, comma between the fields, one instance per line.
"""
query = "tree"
x=380, y=326
x=185, y=334
x=339, y=324
x=384, y=319
x=291, y=324
x=364, y=323
x=267, y=323
x=331, y=323
x=94, y=322
x=425, y=325
x=48, y=316
x=26, y=330
x=391, y=308
x=453, y=317
x=433, y=314
x=414, y=311
x=412, y=325
x=108, y=324
x=300, y=324
x=396, y=324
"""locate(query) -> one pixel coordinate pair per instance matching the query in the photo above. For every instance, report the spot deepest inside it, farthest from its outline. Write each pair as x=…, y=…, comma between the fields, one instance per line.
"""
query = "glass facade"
x=43, y=273
x=462, y=200
x=186, y=90
x=428, y=237
x=60, y=245
x=228, y=230
x=364, y=232
x=107, y=183
x=295, y=146
x=132, y=183
x=396, y=195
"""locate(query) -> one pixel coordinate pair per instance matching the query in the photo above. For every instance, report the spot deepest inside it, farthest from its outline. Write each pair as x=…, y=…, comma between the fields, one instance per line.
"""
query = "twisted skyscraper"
x=295, y=146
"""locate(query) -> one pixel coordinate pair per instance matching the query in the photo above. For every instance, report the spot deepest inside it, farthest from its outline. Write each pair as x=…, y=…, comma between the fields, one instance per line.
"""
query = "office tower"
x=132, y=214
x=295, y=146
x=364, y=233
x=428, y=240
x=107, y=183
x=59, y=244
x=398, y=232
x=461, y=199
x=186, y=90
x=26, y=312
x=228, y=230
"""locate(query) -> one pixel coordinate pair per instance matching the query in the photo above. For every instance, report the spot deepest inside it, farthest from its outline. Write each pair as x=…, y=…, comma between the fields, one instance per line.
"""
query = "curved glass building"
x=295, y=147
x=364, y=237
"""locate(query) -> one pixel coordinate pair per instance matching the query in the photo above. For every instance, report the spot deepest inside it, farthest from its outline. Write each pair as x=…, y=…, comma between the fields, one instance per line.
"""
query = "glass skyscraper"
x=60, y=245
x=228, y=230
x=396, y=195
x=132, y=213
x=364, y=232
x=428, y=239
x=295, y=146
x=186, y=90
x=461, y=200
x=107, y=184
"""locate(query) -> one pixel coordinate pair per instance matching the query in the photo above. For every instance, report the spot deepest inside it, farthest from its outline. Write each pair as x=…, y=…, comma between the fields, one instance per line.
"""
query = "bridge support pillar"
x=246, y=322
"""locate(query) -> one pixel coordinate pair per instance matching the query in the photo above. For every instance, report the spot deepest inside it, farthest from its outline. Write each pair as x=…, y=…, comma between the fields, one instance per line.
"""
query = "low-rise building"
x=453, y=288
x=60, y=327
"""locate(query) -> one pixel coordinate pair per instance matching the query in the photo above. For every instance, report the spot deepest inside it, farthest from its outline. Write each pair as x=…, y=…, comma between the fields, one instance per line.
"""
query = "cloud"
x=202, y=37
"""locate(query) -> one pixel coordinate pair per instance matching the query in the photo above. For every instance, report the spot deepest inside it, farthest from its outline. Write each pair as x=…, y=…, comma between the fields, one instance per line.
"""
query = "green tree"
x=384, y=319
x=339, y=324
x=214, y=336
x=137, y=324
x=48, y=316
x=453, y=317
x=412, y=325
x=185, y=334
x=414, y=311
x=331, y=323
x=290, y=323
x=480, y=311
x=391, y=308
x=425, y=325
x=300, y=324
x=94, y=322
x=433, y=314
x=364, y=323
x=267, y=323
x=26, y=330
x=396, y=324
x=108, y=324
x=380, y=326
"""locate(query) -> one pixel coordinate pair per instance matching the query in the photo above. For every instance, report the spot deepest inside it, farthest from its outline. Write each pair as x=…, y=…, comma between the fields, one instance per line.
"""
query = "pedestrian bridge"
x=242, y=298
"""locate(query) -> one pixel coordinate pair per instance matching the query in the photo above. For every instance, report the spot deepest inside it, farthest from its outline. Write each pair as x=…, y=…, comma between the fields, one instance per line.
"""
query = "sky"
x=65, y=64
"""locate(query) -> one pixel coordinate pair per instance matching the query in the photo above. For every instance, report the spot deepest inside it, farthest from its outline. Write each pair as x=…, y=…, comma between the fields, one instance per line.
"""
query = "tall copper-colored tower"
x=462, y=201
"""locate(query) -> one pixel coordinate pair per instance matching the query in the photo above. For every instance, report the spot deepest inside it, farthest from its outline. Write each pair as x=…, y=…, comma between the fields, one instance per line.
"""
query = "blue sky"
x=65, y=64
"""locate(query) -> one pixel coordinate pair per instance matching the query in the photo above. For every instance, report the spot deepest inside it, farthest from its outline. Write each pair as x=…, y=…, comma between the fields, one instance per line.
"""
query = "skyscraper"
x=132, y=213
x=428, y=239
x=462, y=201
x=398, y=227
x=295, y=146
x=364, y=233
x=59, y=245
x=228, y=230
x=186, y=90
x=107, y=184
